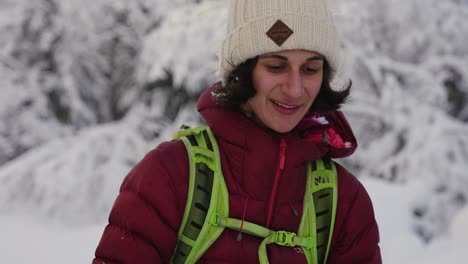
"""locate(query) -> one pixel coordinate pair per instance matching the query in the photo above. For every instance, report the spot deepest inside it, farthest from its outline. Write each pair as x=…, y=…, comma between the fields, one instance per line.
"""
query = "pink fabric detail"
x=334, y=139
x=316, y=125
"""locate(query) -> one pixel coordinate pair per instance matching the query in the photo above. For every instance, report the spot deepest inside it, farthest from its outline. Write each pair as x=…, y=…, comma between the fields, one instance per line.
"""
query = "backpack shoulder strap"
x=207, y=195
x=320, y=202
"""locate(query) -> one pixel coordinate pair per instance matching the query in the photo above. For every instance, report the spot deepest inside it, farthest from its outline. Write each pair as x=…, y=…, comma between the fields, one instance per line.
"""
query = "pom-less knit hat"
x=256, y=27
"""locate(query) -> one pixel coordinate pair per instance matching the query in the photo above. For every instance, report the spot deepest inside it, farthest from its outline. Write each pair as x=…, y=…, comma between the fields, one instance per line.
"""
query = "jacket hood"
x=318, y=135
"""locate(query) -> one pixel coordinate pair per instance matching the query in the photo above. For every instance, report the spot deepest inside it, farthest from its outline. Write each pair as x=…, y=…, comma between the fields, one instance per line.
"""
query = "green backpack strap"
x=207, y=195
x=318, y=218
x=320, y=202
x=207, y=209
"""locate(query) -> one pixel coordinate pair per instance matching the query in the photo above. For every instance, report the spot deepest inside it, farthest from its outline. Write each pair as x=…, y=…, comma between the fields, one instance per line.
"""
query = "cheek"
x=316, y=90
x=263, y=85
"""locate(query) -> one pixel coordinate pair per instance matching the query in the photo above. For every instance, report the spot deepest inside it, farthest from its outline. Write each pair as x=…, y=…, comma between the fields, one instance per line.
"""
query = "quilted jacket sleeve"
x=145, y=217
x=356, y=236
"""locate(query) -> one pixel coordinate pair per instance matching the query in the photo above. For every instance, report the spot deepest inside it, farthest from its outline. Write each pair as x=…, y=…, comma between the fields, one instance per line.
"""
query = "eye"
x=274, y=67
x=311, y=69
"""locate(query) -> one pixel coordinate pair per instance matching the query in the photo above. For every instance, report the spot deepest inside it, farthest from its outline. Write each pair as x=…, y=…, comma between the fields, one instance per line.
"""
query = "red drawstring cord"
x=239, y=237
x=275, y=184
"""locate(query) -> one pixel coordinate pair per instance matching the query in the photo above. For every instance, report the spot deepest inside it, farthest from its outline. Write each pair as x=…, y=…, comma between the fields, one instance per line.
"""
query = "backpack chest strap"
x=282, y=238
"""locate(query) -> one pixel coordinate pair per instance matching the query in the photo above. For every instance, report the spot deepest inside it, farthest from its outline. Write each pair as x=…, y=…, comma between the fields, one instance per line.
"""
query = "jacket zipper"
x=279, y=170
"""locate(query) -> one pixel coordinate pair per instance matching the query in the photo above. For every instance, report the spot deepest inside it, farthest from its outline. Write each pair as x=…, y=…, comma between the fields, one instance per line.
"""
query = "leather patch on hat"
x=279, y=32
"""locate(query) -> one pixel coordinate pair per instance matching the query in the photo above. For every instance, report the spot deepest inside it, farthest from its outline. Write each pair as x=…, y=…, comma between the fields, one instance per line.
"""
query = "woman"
x=273, y=113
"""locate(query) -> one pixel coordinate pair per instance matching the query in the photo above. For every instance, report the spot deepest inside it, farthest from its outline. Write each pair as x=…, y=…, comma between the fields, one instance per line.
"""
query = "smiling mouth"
x=289, y=107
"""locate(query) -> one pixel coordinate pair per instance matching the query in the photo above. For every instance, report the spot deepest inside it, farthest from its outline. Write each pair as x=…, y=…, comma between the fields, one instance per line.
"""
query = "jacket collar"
x=310, y=141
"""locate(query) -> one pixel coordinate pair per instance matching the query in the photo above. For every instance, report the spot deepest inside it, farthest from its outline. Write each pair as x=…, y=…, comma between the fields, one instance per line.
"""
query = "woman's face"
x=286, y=84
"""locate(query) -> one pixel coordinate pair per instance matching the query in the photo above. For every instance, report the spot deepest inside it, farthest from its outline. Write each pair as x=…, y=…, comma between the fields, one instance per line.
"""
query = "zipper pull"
x=283, y=147
x=294, y=211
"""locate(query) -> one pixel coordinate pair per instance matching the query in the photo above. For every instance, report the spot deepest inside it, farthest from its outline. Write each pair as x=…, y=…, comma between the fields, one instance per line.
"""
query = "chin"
x=282, y=129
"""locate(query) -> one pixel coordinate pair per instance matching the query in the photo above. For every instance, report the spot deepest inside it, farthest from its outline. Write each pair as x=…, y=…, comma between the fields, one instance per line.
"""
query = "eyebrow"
x=276, y=56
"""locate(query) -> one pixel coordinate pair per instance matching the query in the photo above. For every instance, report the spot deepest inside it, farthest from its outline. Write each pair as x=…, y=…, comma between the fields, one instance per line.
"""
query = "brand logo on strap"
x=321, y=180
x=279, y=32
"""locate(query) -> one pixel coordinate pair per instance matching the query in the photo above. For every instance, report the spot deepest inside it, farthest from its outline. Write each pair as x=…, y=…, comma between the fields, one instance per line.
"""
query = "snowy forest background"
x=87, y=87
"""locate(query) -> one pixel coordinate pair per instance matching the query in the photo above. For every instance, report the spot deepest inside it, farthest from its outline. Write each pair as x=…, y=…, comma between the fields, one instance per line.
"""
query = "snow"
x=87, y=87
x=27, y=239
x=392, y=204
x=190, y=36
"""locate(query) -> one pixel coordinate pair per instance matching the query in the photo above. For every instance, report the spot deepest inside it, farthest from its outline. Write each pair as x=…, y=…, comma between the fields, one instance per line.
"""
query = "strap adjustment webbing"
x=281, y=237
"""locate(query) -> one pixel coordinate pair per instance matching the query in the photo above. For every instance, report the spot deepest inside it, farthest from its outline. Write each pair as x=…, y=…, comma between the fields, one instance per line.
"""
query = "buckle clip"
x=285, y=238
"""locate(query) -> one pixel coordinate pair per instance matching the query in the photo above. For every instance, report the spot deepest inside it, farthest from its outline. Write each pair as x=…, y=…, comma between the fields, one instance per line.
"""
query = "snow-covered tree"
x=408, y=64
x=94, y=62
x=80, y=75
x=73, y=64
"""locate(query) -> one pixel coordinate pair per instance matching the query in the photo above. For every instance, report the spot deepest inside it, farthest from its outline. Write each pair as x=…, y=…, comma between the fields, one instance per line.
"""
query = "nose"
x=293, y=88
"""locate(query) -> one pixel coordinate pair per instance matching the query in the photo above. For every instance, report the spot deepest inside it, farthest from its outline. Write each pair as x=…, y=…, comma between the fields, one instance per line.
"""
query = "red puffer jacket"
x=145, y=218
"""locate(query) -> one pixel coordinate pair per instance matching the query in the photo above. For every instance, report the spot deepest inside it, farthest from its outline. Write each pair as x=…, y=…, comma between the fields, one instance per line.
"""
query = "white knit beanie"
x=256, y=27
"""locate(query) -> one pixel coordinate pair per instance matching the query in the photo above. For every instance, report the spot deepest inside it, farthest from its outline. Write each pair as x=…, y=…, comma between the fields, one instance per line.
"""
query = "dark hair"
x=239, y=88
